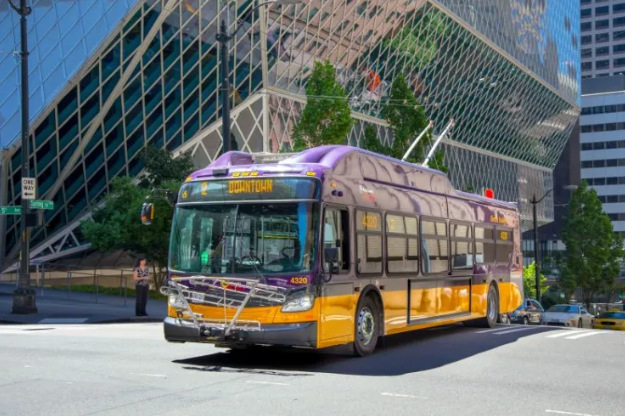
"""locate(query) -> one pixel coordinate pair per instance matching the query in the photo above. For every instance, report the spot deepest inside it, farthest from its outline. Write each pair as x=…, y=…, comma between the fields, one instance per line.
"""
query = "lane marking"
x=492, y=330
x=150, y=375
x=63, y=320
x=267, y=382
x=560, y=412
x=585, y=334
x=509, y=331
x=563, y=334
x=403, y=395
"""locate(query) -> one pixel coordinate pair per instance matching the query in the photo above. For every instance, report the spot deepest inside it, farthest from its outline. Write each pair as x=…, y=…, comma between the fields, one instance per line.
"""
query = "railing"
x=73, y=282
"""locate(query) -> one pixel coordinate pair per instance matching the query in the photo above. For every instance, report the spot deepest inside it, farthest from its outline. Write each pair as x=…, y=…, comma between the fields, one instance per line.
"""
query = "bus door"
x=455, y=291
x=337, y=304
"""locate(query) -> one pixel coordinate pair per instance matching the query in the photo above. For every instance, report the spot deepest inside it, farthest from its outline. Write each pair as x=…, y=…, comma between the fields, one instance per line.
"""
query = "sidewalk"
x=54, y=307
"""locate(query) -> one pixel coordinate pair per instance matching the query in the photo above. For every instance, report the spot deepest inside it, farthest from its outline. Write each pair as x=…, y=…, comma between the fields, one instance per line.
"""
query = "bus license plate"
x=197, y=296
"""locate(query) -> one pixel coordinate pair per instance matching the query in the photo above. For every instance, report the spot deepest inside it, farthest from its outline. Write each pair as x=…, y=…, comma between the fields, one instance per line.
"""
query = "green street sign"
x=10, y=210
x=621, y=296
x=35, y=204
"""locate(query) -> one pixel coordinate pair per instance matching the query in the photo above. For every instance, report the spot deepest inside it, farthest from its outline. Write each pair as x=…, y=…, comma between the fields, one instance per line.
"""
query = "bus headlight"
x=175, y=302
x=300, y=303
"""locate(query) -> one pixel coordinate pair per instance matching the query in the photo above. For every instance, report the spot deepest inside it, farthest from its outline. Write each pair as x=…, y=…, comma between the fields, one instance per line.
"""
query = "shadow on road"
x=401, y=354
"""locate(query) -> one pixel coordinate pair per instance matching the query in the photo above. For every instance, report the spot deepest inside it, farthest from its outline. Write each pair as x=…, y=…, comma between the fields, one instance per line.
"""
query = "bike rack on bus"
x=214, y=291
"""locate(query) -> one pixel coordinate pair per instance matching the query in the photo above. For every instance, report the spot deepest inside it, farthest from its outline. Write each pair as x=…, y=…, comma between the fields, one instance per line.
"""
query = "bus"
x=333, y=246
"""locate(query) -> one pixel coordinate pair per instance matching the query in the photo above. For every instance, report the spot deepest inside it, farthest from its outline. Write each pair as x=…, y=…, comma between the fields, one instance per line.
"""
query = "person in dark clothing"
x=141, y=275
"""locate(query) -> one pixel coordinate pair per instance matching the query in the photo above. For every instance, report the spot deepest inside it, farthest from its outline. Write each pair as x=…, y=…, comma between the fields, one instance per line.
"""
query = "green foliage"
x=529, y=281
x=160, y=167
x=407, y=119
x=437, y=162
x=117, y=224
x=326, y=119
x=418, y=44
x=593, y=250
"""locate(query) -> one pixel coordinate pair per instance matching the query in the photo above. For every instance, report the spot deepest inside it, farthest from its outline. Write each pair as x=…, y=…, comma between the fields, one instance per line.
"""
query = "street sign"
x=10, y=210
x=29, y=188
x=35, y=204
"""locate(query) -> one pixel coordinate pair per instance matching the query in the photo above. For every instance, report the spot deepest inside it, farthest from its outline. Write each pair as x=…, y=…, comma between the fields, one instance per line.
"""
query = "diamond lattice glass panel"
x=543, y=35
x=62, y=35
x=496, y=105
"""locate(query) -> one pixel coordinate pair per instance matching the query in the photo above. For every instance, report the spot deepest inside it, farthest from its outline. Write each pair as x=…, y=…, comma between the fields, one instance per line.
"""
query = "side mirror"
x=331, y=254
x=147, y=213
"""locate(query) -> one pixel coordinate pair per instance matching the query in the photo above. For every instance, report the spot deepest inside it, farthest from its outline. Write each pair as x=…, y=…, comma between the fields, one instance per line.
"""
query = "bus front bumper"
x=295, y=335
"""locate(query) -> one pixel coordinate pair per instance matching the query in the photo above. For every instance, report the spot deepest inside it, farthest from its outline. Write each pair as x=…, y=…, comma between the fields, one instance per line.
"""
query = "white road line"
x=150, y=375
x=562, y=334
x=509, y=331
x=585, y=334
x=63, y=320
x=402, y=395
x=567, y=413
x=492, y=330
x=267, y=382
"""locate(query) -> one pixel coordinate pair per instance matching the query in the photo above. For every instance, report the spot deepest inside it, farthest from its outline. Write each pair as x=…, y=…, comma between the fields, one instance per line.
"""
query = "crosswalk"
x=546, y=332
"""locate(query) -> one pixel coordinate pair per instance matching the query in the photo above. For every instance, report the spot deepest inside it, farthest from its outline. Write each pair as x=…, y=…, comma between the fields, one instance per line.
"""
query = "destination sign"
x=498, y=220
x=250, y=186
x=250, y=189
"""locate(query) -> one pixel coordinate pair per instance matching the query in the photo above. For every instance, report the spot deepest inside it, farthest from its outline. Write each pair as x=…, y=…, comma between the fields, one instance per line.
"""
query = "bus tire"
x=366, y=326
x=492, y=311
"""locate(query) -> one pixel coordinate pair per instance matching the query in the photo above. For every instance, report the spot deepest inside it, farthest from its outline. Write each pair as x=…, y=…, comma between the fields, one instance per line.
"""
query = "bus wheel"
x=367, y=328
x=492, y=311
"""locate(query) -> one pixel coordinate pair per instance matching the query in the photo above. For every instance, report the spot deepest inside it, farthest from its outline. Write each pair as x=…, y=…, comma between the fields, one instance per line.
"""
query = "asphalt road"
x=128, y=369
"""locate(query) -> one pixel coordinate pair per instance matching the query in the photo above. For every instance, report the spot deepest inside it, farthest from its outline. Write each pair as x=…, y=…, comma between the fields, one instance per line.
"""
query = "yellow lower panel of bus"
x=336, y=314
x=263, y=315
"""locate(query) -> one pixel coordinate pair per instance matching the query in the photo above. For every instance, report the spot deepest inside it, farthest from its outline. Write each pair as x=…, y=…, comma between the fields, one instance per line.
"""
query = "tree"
x=117, y=225
x=160, y=166
x=326, y=119
x=529, y=281
x=593, y=250
x=407, y=119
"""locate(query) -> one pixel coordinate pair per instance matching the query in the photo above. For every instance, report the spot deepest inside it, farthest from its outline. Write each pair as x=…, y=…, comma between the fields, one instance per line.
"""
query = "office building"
x=506, y=72
x=602, y=38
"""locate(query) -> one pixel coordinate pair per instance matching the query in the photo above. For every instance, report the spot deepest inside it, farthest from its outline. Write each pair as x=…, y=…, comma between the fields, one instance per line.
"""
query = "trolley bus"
x=333, y=246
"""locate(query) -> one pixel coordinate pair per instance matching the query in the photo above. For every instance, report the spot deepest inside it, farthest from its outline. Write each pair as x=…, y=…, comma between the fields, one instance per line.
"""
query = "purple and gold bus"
x=334, y=245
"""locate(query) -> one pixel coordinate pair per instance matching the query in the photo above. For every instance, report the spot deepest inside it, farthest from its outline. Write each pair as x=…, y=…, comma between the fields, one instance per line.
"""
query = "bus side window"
x=336, y=235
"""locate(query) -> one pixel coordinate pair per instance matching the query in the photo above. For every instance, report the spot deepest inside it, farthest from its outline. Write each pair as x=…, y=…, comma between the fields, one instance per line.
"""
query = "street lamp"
x=535, y=202
x=224, y=38
x=24, y=298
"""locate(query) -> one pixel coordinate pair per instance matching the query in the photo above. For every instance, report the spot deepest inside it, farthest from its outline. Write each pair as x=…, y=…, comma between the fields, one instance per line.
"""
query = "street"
x=128, y=369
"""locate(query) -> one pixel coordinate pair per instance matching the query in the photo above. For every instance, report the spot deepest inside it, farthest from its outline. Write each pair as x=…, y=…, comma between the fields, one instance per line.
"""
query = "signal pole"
x=24, y=296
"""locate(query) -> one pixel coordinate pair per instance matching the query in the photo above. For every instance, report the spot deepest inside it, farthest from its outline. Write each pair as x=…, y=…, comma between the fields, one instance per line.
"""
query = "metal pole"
x=24, y=296
x=436, y=143
x=223, y=40
x=25, y=255
x=412, y=146
x=536, y=268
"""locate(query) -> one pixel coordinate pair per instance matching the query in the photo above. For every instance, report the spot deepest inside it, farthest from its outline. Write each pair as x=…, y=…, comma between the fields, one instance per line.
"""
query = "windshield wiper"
x=250, y=254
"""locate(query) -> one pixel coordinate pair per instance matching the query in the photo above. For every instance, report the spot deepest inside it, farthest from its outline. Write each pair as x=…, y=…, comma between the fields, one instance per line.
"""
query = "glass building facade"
x=62, y=35
x=506, y=74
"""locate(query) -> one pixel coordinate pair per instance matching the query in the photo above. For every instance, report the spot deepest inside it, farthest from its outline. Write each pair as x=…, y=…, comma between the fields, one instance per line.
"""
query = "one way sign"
x=29, y=188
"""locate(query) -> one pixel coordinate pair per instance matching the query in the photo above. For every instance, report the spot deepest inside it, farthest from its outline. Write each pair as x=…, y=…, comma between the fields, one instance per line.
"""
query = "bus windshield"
x=245, y=238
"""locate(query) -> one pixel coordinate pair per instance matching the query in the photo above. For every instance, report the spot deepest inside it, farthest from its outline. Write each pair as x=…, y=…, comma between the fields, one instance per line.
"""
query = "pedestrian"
x=141, y=276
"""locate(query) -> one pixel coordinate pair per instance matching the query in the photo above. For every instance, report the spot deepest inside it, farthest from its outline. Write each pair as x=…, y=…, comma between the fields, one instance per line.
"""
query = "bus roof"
x=320, y=160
